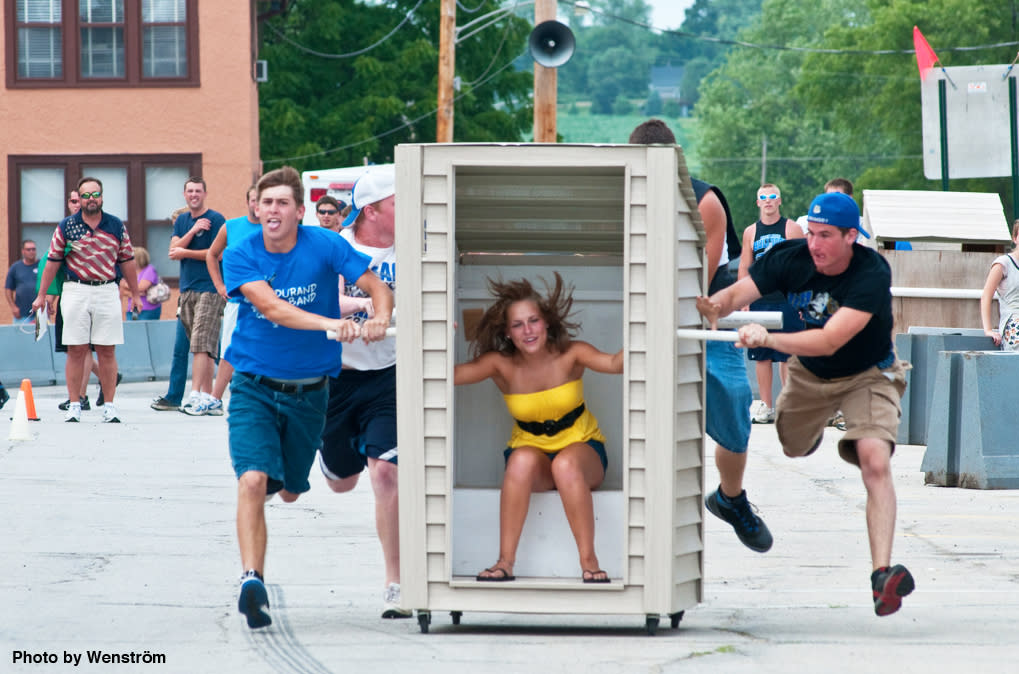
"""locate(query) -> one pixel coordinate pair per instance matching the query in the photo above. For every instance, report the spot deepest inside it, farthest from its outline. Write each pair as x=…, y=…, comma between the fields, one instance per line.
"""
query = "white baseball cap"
x=376, y=184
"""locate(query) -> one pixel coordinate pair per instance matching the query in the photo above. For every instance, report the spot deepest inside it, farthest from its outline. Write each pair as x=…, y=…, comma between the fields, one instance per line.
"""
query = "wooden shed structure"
x=619, y=223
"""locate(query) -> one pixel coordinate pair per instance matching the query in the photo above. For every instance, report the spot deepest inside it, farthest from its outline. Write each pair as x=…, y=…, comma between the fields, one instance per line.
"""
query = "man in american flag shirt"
x=90, y=245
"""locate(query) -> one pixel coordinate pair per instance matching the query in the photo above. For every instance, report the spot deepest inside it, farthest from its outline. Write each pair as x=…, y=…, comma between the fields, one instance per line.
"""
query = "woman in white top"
x=1003, y=277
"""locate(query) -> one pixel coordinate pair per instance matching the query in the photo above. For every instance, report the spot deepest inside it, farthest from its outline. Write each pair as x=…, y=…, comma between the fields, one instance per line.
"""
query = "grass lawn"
x=583, y=127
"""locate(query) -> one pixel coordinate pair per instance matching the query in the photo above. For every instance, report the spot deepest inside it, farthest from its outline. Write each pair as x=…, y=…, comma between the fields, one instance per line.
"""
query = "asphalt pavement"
x=118, y=542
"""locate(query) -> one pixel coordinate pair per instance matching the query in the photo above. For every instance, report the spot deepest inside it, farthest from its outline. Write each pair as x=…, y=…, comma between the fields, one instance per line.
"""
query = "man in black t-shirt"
x=844, y=360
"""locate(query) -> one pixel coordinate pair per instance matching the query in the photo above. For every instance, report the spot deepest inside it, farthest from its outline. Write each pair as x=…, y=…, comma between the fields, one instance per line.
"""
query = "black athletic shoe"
x=254, y=600
x=67, y=403
x=751, y=529
x=101, y=400
x=890, y=585
x=4, y=397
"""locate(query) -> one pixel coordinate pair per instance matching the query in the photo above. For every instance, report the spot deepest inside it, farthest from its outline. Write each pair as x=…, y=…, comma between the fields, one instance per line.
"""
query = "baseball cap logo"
x=817, y=208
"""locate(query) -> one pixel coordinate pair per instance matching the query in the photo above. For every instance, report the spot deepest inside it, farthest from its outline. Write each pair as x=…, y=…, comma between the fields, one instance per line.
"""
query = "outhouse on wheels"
x=619, y=223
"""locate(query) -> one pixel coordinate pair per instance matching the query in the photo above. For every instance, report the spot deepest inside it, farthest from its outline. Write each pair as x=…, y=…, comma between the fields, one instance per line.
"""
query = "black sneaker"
x=4, y=397
x=101, y=400
x=890, y=585
x=751, y=529
x=254, y=600
x=67, y=403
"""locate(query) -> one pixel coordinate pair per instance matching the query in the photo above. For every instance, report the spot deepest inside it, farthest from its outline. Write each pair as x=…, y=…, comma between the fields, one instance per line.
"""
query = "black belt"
x=94, y=283
x=552, y=426
x=284, y=386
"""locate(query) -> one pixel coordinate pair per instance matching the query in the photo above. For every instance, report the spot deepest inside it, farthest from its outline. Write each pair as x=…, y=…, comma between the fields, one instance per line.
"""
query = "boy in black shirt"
x=844, y=360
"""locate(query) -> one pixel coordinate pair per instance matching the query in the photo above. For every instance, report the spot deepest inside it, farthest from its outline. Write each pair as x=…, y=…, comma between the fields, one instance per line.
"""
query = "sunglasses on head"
x=91, y=195
x=327, y=211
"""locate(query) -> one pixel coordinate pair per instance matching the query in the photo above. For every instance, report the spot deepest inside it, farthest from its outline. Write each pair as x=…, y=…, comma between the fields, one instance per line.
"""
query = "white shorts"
x=229, y=323
x=92, y=314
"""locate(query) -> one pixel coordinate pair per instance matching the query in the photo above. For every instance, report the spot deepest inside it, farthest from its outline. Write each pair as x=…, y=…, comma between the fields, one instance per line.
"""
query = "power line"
x=755, y=160
x=348, y=55
x=470, y=11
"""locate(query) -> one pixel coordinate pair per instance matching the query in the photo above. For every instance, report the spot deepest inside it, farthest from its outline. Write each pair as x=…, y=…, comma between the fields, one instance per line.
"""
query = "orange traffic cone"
x=26, y=392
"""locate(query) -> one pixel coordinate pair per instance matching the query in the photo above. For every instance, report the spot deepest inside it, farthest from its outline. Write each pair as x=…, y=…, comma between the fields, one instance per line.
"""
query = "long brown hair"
x=555, y=308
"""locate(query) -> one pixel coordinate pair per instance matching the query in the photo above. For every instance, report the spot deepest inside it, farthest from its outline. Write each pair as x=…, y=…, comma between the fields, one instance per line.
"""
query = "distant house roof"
x=666, y=80
x=916, y=215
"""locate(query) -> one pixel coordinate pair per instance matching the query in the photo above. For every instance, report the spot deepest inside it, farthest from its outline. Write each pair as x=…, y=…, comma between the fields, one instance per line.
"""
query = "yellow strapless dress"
x=552, y=404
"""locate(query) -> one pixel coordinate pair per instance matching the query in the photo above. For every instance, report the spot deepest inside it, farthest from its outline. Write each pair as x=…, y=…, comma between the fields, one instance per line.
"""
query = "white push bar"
x=331, y=334
x=771, y=320
x=708, y=335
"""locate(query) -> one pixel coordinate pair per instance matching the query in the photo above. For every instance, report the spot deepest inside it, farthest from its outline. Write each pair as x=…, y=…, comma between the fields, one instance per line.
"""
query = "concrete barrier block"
x=971, y=434
x=161, y=336
x=924, y=345
x=134, y=360
x=25, y=358
x=904, y=350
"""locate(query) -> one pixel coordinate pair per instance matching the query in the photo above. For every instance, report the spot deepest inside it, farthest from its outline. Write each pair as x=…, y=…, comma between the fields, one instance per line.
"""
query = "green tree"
x=693, y=47
x=887, y=88
x=752, y=98
x=653, y=105
x=616, y=25
x=317, y=110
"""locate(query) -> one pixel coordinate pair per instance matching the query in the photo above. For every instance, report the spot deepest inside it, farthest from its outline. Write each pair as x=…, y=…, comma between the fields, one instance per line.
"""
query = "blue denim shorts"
x=275, y=433
x=598, y=447
x=728, y=397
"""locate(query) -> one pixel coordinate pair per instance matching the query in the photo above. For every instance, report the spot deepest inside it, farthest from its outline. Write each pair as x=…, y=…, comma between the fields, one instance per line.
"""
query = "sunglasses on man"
x=90, y=195
x=327, y=211
x=767, y=197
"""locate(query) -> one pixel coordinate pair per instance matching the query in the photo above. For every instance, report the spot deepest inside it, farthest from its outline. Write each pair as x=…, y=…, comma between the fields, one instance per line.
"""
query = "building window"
x=39, y=39
x=101, y=47
x=82, y=43
x=141, y=190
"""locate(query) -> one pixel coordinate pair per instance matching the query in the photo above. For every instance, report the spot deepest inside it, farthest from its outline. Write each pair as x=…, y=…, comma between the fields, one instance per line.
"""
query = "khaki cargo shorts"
x=869, y=400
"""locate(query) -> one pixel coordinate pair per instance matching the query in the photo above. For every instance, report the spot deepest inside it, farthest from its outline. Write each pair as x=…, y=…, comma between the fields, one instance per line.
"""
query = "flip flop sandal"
x=502, y=578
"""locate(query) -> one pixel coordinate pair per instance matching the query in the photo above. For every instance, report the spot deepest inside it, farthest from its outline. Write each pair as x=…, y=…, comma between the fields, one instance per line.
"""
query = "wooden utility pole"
x=545, y=83
x=447, y=71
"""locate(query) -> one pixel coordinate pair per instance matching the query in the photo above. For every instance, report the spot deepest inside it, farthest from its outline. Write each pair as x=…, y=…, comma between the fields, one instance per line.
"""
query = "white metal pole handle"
x=331, y=334
x=708, y=335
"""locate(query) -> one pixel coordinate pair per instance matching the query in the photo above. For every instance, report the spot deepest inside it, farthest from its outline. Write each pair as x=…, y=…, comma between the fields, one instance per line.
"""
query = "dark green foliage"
x=322, y=112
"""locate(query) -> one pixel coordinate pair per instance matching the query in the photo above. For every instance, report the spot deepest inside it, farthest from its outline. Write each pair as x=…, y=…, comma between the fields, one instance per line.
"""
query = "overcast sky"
x=668, y=13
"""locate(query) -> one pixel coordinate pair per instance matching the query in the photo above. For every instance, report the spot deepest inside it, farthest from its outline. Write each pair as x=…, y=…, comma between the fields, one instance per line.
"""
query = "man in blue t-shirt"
x=287, y=281
x=843, y=360
x=20, y=284
x=201, y=307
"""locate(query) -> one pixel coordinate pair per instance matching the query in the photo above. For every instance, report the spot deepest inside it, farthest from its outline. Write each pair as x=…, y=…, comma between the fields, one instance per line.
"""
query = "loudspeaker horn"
x=551, y=44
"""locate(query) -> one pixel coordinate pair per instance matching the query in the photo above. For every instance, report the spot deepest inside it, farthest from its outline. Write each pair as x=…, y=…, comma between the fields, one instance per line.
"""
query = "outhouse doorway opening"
x=531, y=222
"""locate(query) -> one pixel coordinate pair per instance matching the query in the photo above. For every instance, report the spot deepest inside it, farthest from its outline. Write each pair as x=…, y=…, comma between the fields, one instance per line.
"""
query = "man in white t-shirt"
x=361, y=420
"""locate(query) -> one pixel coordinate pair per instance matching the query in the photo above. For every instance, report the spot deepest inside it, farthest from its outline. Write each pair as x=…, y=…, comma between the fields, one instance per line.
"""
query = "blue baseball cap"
x=836, y=209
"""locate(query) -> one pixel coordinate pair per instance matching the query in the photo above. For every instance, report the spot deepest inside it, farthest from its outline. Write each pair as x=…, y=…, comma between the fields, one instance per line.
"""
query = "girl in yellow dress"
x=524, y=344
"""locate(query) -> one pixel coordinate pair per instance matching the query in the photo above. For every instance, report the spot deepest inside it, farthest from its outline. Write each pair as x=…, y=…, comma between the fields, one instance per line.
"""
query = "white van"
x=336, y=182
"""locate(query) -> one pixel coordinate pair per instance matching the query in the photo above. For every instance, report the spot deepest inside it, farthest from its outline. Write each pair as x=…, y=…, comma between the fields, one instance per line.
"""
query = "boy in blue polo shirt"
x=282, y=359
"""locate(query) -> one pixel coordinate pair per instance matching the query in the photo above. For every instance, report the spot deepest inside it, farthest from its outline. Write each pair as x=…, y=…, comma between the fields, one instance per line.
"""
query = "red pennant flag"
x=925, y=56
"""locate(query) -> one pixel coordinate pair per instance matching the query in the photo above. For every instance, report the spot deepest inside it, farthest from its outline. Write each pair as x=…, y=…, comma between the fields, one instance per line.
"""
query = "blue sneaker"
x=254, y=600
x=214, y=408
x=751, y=529
x=196, y=408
